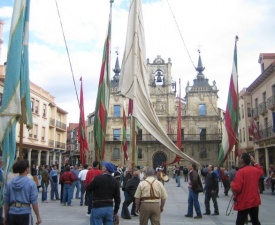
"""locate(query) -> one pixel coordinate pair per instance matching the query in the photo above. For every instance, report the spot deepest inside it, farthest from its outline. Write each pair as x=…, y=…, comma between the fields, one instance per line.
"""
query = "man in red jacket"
x=246, y=191
x=91, y=174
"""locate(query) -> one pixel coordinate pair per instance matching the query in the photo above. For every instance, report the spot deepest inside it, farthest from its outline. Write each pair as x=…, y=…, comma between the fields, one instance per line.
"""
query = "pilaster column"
x=59, y=160
x=17, y=152
x=30, y=155
x=47, y=157
x=54, y=157
x=266, y=160
x=39, y=158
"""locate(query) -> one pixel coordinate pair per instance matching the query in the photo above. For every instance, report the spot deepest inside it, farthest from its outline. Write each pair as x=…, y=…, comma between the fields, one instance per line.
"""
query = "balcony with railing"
x=262, y=109
x=148, y=138
x=266, y=133
x=59, y=145
x=255, y=113
x=52, y=122
x=271, y=102
x=60, y=125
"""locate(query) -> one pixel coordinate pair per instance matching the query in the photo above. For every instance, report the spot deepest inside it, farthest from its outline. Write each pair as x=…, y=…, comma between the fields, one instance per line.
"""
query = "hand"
x=161, y=209
x=39, y=220
x=137, y=210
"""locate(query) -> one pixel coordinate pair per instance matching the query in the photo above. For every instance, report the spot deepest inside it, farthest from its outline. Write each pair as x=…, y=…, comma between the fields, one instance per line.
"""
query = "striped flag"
x=16, y=85
x=103, y=94
x=82, y=138
x=230, y=127
x=124, y=136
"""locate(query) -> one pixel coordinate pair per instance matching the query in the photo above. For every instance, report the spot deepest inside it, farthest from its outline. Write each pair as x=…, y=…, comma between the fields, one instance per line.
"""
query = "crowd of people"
x=98, y=187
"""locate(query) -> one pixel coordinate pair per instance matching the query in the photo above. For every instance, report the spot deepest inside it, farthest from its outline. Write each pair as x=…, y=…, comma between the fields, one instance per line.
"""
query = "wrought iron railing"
x=173, y=137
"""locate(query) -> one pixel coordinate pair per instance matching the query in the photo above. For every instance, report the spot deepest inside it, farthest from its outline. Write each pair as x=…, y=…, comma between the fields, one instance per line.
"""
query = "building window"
x=203, y=153
x=240, y=133
x=30, y=133
x=202, y=134
x=44, y=110
x=250, y=138
x=256, y=102
x=139, y=135
x=243, y=135
x=32, y=104
x=35, y=131
x=116, y=155
x=273, y=90
x=242, y=112
x=91, y=119
x=202, y=110
x=248, y=110
x=140, y=153
x=182, y=134
x=265, y=123
x=264, y=96
x=36, y=107
x=43, y=131
x=1, y=97
x=117, y=110
x=116, y=134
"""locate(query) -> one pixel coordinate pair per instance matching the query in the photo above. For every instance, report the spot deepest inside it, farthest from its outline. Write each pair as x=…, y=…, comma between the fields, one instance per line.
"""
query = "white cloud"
x=212, y=25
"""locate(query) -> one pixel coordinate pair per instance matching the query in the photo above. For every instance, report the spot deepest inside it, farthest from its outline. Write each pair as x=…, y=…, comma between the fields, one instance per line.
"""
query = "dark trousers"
x=125, y=212
x=208, y=196
x=253, y=213
x=61, y=192
x=226, y=186
x=19, y=219
x=90, y=202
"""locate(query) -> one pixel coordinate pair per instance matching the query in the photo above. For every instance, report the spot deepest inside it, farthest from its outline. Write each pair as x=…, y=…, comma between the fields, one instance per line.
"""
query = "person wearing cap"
x=246, y=190
x=150, y=198
x=106, y=196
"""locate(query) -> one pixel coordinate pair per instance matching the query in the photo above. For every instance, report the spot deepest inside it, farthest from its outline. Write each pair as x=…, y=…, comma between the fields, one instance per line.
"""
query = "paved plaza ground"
x=53, y=213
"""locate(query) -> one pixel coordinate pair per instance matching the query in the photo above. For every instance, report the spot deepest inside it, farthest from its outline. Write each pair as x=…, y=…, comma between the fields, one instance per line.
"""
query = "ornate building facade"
x=201, y=132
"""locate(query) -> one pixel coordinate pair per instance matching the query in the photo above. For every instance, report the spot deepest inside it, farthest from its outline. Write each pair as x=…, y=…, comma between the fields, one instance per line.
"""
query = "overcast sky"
x=210, y=26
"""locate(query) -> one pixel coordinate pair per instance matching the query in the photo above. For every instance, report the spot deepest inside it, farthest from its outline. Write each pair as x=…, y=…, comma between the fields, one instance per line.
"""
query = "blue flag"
x=17, y=84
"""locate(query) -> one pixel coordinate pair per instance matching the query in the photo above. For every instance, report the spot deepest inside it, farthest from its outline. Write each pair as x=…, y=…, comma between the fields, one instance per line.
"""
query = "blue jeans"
x=193, y=199
x=76, y=184
x=82, y=192
x=104, y=215
x=178, y=180
x=90, y=202
x=67, y=194
x=44, y=191
x=54, y=191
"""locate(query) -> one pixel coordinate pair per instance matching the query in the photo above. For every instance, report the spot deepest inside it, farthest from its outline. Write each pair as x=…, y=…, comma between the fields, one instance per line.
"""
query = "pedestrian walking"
x=45, y=179
x=106, y=193
x=67, y=178
x=211, y=185
x=54, y=183
x=76, y=183
x=246, y=190
x=82, y=177
x=150, y=199
x=20, y=197
x=194, y=187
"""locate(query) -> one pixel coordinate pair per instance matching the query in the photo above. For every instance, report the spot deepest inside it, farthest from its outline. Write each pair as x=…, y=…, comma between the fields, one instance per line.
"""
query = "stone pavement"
x=53, y=213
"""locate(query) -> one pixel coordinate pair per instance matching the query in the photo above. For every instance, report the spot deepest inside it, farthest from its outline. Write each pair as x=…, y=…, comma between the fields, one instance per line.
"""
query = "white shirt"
x=82, y=174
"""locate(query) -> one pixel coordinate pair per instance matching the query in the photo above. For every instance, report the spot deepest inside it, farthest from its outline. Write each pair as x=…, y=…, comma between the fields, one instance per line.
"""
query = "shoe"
x=134, y=214
x=126, y=218
x=215, y=214
x=58, y=199
x=81, y=204
x=198, y=217
x=45, y=201
x=64, y=204
x=217, y=196
x=70, y=205
x=206, y=214
x=88, y=214
x=188, y=215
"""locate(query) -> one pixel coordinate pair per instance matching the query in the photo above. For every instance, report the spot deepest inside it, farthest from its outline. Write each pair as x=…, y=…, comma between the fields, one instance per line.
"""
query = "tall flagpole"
x=133, y=144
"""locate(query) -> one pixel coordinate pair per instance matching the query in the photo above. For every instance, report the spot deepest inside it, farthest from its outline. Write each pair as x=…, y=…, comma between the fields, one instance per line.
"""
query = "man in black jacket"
x=211, y=185
x=130, y=188
x=105, y=189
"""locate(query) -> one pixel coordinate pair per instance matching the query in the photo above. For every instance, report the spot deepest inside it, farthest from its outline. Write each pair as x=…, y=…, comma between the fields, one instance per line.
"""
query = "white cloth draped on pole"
x=133, y=82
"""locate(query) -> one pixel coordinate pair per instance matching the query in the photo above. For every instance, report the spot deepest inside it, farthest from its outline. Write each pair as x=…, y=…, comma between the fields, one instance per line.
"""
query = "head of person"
x=193, y=166
x=95, y=164
x=85, y=166
x=22, y=166
x=67, y=168
x=76, y=167
x=150, y=172
x=136, y=173
x=108, y=167
x=210, y=168
x=245, y=159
